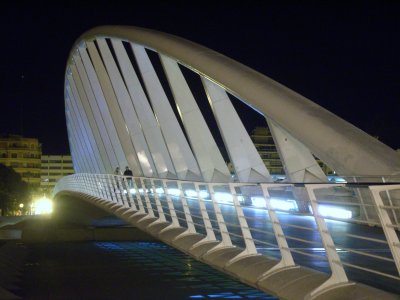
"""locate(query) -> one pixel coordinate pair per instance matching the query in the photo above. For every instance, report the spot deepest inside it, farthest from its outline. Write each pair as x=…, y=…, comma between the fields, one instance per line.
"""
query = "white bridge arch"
x=118, y=114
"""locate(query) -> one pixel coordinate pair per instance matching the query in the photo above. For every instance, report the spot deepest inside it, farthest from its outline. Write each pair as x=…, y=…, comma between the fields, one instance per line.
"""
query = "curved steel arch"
x=344, y=147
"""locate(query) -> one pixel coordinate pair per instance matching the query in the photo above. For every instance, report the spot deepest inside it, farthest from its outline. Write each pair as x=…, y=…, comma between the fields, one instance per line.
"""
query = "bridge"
x=129, y=102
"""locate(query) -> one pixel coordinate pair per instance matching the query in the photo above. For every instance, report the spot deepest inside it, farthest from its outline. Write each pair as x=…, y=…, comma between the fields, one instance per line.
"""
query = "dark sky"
x=344, y=57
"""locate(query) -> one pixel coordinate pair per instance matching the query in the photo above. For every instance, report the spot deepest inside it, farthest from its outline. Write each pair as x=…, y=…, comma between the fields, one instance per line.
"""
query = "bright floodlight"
x=42, y=206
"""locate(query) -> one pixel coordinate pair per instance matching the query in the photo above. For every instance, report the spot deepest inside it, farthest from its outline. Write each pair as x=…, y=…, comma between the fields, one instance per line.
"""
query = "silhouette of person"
x=129, y=174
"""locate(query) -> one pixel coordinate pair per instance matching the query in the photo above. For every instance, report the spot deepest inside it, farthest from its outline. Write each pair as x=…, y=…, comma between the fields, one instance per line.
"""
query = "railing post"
x=250, y=249
x=124, y=191
x=206, y=219
x=338, y=276
x=174, y=218
x=188, y=216
x=286, y=261
x=129, y=186
x=361, y=198
x=112, y=187
x=226, y=239
x=161, y=216
x=150, y=211
x=138, y=198
x=387, y=226
x=391, y=203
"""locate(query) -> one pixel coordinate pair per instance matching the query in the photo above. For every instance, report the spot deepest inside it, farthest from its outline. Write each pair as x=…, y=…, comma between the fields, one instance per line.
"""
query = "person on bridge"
x=129, y=174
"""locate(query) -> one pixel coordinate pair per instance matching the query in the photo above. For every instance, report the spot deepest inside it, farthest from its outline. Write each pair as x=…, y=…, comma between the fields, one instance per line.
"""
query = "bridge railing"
x=322, y=226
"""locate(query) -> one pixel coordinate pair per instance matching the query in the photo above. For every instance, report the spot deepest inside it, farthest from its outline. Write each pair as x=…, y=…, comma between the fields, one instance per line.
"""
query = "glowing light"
x=174, y=192
x=21, y=205
x=204, y=194
x=284, y=204
x=258, y=202
x=159, y=190
x=334, y=212
x=191, y=193
x=223, y=197
x=42, y=206
x=280, y=204
x=132, y=191
x=125, y=192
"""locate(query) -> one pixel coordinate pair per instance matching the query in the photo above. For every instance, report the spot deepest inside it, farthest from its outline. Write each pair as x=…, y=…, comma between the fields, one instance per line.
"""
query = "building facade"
x=54, y=167
x=264, y=143
x=23, y=155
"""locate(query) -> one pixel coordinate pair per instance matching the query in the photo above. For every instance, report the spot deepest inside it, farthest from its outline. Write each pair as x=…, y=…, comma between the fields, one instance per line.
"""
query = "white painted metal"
x=226, y=239
x=248, y=164
x=74, y=152
x=150, y=212
x=161, y=216
x=138, y=198
x=181, y=154
x=286, y=261
x=149, y=125
x=88, y=183
x=250, y=249
x=338, y=276
x=188, y=216
x=85, y=127
x=96, y=73
x=206, y=219
x=81, y=132
x=339, y=144
x=94, y=108
x=75, y=137
x=299, y=163
x=129, y=115
x=174, y=217
x=85, y=109
x=78, y=130
x=76, y=141
x=387, y=225
x=127, y=155
x=211, y=162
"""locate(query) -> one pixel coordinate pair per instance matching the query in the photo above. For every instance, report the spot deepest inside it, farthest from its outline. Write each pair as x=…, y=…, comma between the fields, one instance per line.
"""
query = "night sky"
x=344, y=57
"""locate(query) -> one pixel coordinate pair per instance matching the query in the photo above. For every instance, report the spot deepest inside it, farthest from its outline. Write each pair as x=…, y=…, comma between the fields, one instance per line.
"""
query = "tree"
x=12, y=190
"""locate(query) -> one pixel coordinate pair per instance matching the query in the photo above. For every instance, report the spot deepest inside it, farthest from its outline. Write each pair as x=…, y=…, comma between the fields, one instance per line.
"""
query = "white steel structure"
x=118, y=114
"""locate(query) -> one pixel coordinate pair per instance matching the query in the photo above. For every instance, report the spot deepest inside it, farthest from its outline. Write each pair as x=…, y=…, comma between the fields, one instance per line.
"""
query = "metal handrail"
x=111, y=188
